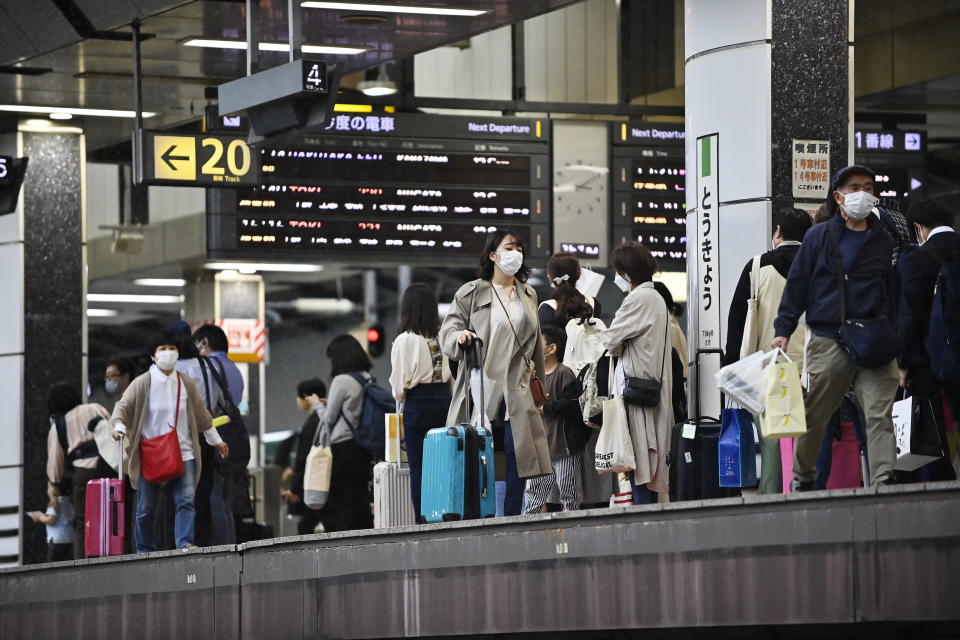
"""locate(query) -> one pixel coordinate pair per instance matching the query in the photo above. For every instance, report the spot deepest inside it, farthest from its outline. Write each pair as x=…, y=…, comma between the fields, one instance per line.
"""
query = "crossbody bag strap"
x=841, y=276
x=510, y=322
x=206, y=381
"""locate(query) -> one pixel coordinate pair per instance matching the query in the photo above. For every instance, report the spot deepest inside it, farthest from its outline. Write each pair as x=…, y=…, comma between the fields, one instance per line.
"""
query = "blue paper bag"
x=736, y=450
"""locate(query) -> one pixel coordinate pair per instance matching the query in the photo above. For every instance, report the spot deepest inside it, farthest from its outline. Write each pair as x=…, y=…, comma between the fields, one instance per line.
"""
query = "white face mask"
x=510, y=261
x=622, y=282
x=859, y=204
x=166, y=360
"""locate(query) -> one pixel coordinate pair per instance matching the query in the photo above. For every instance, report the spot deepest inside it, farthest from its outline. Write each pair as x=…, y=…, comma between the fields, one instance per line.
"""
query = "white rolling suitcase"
x=392, y=506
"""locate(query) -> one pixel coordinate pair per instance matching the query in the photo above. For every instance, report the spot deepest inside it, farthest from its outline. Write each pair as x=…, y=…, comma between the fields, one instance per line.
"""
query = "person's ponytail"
x=563, y=269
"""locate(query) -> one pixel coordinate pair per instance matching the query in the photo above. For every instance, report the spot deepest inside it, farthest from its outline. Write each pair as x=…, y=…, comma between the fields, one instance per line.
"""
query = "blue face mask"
x=111, y=386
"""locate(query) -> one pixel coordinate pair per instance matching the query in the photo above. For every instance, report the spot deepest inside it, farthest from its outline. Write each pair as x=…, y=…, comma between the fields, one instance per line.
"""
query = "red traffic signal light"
x=375, y=340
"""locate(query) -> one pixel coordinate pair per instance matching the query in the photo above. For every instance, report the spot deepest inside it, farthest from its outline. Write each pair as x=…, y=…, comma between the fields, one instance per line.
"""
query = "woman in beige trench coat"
x=640, y=336
x=486, y=308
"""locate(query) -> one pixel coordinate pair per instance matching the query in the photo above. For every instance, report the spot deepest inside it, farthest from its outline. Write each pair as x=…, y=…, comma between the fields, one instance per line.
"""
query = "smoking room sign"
x=811, y=169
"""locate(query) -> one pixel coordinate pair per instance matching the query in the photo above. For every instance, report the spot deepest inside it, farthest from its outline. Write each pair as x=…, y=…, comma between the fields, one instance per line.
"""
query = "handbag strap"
x=668, y=346
x=510, y=322
x=755, y=277
x=176, y=411
x=841, y=276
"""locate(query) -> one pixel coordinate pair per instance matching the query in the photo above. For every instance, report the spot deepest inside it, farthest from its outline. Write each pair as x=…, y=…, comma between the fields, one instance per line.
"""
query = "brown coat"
x=131, y=410
x=471, y=309
x=640, y=335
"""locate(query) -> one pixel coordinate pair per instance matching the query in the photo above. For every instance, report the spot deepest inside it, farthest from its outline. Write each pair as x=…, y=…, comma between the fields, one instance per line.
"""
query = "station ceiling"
x=53, y=39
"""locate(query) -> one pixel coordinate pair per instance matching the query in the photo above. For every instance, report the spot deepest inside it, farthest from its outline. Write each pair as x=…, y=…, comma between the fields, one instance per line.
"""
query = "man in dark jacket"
x=858, y=241
x=918, y=270
x=311, y=398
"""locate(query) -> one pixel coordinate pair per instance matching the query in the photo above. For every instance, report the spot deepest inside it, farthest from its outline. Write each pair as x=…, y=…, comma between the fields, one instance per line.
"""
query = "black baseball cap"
x=840, y=176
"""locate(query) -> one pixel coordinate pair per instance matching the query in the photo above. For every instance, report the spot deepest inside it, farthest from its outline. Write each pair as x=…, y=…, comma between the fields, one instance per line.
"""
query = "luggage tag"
x=689, y=431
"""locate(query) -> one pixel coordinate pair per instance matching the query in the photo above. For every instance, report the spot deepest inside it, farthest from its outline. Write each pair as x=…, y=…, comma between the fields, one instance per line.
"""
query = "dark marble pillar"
x=54, y=305
x=810, y=85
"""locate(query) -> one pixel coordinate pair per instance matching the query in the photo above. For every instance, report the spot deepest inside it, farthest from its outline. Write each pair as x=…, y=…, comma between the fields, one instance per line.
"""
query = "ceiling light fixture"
x=133, y=298
x=382, y=85
x=59, y=115
x=389, y=8
x=160, y=282
x=253, y=267
x=75, y=111
x=213, y=43
x=102, y=313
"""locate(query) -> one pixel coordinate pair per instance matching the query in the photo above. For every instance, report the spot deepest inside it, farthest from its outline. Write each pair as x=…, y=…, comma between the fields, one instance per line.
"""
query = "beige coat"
x=131, y=410
x=471, y=310
x=640, y=335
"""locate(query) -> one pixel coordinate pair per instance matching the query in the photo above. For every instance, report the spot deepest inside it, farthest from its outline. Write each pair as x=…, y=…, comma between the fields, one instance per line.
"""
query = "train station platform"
x=874, y=563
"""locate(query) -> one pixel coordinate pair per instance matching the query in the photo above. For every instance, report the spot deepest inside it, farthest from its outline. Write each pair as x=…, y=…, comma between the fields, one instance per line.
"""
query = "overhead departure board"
x=398, y=188
x=648, y=178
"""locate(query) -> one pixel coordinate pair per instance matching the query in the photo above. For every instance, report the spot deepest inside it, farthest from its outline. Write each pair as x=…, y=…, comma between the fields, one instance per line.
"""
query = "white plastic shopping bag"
x=614, y=451
x=745, y=380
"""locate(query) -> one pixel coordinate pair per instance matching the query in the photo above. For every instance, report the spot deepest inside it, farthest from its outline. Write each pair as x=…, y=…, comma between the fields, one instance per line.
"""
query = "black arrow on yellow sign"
x=168, y=157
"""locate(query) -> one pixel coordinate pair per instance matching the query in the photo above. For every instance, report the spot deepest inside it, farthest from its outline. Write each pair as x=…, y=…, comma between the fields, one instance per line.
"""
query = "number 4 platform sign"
x=189, y=160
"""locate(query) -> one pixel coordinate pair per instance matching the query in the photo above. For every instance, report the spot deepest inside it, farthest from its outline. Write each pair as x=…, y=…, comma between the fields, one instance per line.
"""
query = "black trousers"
x=348, y=506
x=59, y=551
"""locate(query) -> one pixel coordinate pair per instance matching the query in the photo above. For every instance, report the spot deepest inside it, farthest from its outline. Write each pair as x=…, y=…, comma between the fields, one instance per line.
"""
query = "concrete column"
x=760, y=74
x=43, y=339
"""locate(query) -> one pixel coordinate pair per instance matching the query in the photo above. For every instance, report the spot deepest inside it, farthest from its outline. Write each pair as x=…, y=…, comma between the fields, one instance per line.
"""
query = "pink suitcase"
x=845, y=470
x=103, y=527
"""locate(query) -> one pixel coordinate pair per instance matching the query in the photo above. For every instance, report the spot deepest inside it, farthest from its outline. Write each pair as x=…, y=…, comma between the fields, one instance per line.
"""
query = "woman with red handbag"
x=162, y=414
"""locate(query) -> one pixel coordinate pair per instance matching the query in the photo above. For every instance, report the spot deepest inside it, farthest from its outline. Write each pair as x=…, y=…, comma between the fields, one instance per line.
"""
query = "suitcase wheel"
x=452, y=432
x=451, y=517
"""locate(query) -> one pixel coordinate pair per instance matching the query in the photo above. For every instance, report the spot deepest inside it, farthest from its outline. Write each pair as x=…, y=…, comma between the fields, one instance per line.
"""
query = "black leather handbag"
x=871, y=342
x=645, y=392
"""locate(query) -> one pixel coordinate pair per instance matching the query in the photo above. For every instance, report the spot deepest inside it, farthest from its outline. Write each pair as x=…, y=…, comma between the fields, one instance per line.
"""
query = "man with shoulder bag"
x=843, y=279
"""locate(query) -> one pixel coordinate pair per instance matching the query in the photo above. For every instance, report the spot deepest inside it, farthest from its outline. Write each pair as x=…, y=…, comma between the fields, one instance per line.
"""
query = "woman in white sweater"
x=420, y=377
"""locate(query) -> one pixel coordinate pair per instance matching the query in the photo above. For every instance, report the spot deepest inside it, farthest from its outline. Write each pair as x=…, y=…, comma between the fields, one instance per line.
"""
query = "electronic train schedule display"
x=648, y=180
x=401, y=188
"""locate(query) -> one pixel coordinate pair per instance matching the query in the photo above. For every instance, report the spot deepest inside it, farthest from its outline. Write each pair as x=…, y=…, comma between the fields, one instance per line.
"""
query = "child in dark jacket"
x=567, y=435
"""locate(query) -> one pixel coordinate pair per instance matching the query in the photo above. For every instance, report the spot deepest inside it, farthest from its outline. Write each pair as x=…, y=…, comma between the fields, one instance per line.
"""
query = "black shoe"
x=797, y=486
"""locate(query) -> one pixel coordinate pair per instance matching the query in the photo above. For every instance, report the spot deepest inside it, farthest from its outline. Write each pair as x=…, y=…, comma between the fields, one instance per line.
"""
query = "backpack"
x=377, y=403
x=234, y=433
x=585, y=355
x=943, y=334
x=896, y=225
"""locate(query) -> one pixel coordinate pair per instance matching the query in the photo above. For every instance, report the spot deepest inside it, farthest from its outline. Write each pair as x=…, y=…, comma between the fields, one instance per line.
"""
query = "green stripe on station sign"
x=705, y=157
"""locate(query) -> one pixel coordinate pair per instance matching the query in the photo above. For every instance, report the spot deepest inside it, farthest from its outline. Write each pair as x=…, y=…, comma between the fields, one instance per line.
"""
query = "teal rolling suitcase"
x=458, y=480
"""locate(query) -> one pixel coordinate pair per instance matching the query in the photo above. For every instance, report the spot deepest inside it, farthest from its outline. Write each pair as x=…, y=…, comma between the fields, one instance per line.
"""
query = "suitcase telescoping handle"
x=120, y=466
x=696, y=386
x=472, y=350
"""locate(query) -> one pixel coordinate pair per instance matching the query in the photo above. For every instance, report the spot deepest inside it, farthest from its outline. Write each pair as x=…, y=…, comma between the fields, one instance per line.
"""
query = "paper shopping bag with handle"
x=783, y=411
